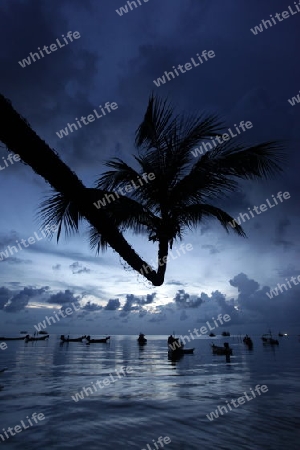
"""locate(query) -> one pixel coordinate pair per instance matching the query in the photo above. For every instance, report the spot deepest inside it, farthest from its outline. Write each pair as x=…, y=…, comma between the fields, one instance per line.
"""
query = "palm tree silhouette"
x=178, y=198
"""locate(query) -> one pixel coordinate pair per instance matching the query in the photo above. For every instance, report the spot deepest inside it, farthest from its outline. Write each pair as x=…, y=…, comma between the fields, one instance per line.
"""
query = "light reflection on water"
x=160, y=397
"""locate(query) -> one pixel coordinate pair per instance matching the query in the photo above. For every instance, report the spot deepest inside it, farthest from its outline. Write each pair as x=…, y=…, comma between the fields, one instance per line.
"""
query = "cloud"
x=91, y=307
x=5, y=295
x=288, y=271
x=183, y=315
x=244, y=285
x=77, y=268
x=56, y=267
x=280, y=233
x=175, y=283
x=185, y=300
x=212, y=248
x=158, y=317
x=19, y=301
x=255, y=305
x=14, y=260
x=61, y=298
x=134, y=303
x=112, y=304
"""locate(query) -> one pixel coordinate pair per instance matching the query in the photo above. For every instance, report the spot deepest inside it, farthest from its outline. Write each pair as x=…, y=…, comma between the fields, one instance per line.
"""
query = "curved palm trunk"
x=17, y=135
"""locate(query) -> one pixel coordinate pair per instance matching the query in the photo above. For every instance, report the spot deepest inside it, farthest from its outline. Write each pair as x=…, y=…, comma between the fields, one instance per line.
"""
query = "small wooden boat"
x=97, y=341
x=225, y=333
x=31, y=338
x=226, y=350
x=141, y=339
x=212, y=335
x=268, y=339
x=248, y=341
x=43, y=332
x=3, y=370
x=176, y=347
x=180, y=351
x=63, y=339
x=13, y=339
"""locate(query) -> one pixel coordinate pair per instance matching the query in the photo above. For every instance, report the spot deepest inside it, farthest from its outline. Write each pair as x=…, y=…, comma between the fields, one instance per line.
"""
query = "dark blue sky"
x=116, y=59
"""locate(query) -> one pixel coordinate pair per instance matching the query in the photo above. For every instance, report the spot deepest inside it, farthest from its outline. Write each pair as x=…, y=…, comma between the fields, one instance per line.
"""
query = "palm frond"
x=158, y=123
x=263, y=160
x=193, y=215
x=57, y=210
x=216, y=173
x=119, y=177
x=127, y=214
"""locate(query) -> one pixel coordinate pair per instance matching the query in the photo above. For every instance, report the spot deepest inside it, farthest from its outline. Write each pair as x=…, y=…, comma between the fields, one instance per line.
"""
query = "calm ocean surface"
x=158, y=398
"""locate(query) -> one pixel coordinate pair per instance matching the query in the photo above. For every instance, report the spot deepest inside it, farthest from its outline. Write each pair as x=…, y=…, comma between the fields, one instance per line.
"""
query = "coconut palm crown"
x=183, y=189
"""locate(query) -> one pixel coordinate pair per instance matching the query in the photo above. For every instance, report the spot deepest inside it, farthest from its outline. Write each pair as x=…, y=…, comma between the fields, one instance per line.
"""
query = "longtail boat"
x=31, y=338
x=267, y=338
x=226, y=350
x=63, y=339
x=13, y=339
x=176, y=347
x=97, y=341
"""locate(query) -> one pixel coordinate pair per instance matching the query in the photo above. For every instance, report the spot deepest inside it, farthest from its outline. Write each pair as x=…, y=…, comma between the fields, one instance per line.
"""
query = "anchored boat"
x=226, y=350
